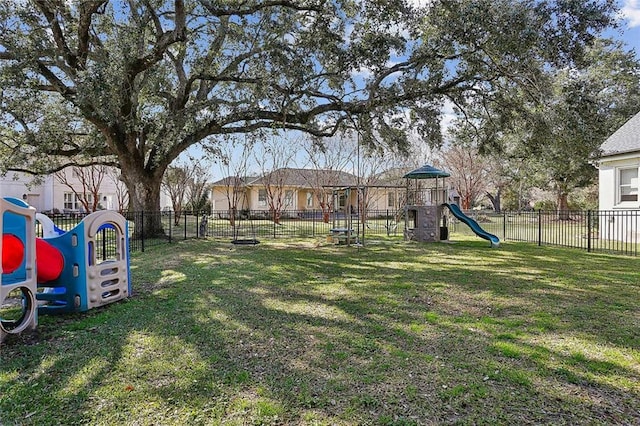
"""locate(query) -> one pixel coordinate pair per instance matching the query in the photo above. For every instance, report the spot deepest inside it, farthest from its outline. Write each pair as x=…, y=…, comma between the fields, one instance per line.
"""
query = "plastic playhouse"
x=73, y=271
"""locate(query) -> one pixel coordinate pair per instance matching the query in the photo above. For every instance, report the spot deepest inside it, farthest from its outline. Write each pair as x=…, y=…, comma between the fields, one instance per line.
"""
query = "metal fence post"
x=197, y=227
x=387, y=219
x=185, y=225
x=634, y=239
x=504, y=225
x=142, y=230
x=589, y=231
x=539, y=227
x=170, y=230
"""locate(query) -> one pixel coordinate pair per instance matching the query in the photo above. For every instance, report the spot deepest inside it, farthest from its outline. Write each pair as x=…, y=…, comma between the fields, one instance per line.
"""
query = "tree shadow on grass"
x=281, y=336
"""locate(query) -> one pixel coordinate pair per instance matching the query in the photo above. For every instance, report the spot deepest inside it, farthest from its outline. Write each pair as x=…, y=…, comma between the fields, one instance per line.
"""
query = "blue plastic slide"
x=495, y=241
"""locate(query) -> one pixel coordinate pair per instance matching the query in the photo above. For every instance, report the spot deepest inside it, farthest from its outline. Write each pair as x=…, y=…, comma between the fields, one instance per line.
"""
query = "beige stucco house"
x=294, y=189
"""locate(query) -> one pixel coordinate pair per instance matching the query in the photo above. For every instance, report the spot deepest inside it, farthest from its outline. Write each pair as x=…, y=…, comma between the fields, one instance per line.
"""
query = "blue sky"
x=631, y=15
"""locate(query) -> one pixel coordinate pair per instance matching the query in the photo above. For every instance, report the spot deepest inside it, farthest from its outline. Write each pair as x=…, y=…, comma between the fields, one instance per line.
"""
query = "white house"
x=619, y=168
x=51, y=193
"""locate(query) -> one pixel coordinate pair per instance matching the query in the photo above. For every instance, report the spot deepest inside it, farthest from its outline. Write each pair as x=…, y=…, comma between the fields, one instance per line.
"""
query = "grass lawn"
x=308, y=333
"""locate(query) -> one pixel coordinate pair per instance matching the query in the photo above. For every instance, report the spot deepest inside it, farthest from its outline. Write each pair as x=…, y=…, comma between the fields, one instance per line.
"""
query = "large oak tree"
x=137, y=82
x=561, y=125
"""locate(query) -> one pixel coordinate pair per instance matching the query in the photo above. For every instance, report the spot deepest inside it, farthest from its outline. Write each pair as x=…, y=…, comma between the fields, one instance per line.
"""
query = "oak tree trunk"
x=144, y=202
x=496, y=200
x=563, y=206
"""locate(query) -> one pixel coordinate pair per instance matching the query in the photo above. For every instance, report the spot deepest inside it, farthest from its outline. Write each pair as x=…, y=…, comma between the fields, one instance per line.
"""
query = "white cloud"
x=631, y=12
x=448, y=115
x=362, y=73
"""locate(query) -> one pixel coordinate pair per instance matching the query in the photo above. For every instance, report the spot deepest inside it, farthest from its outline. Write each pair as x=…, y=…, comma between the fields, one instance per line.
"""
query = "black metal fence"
x=247, y=225
x=592, y=230
x=609, y=231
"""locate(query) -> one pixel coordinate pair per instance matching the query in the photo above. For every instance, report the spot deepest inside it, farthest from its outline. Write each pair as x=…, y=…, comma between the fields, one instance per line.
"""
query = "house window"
x=342, y=201
x=628, y=184
x=71, y=201
x=391, y=199
x=262, y=197
x=68, y=200
x=309, y=199
x=288, y=198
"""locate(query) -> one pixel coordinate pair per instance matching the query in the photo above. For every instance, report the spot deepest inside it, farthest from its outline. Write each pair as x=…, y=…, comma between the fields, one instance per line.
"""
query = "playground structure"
x=73, y=271
x=346, y=218
x=425, y=218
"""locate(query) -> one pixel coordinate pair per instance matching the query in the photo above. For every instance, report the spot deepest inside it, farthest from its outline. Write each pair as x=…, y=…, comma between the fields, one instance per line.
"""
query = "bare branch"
x=239, y=10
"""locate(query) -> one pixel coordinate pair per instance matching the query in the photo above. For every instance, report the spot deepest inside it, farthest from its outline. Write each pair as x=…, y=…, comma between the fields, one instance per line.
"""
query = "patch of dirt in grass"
x=302, y=244
x=26, y=338
x=455, y=304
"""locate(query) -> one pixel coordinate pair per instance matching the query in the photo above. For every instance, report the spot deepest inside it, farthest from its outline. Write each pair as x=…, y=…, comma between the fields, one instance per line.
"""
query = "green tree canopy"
x=560, y=132
x=138, y=82
x=586, y=106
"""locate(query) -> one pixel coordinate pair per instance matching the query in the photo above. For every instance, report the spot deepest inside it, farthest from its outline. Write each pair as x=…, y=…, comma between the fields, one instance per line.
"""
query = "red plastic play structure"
x=49, y=260
x=13, y=254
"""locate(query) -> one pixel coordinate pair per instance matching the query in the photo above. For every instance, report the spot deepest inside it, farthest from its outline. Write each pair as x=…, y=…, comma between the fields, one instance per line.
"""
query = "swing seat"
x=245, y=242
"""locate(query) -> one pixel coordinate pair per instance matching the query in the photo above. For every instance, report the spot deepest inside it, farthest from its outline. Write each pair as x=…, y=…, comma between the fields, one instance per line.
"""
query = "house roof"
x=307, y=177
x=625, y=139
x=390, y=177
x=233, y=180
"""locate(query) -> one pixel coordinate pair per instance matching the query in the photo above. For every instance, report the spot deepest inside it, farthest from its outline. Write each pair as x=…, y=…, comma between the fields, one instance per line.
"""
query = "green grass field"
x=303, y=332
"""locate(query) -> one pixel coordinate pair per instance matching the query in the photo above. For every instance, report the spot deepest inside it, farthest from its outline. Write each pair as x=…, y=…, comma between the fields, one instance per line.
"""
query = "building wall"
x=301, y=199
x=608, y=185
x=621, y=221
x=220, y=202
x=18, y=185
x=108, y=199
x=378, y=198
x=254, y=204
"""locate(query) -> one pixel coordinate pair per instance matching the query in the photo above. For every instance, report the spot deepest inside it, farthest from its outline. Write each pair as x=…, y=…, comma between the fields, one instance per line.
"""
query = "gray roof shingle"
x=233, y=180
x=305, y=177
x=625, y=139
